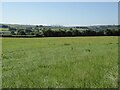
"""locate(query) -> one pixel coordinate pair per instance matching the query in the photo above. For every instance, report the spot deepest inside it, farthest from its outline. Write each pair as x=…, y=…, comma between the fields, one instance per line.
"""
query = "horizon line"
x=59, y=24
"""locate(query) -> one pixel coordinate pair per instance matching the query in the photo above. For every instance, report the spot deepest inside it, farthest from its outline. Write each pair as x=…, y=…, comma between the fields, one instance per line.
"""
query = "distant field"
x=86, y=62
x=4, y=29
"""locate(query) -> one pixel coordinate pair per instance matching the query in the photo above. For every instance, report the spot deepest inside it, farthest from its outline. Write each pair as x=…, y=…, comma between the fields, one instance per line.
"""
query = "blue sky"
x=60, y=13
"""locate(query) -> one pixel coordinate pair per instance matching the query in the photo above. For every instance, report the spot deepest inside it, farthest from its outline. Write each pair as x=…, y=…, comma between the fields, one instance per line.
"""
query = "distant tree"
x=27, y=31
x=71, y=29
x=68, y=33
x=108, y=32
x=32, y=33
x=37, y=26
x=39, y=33
x=21, y=32
x=76, y=32
x=48, y=32
x=100, y=33
x=114, y=32
x=13, y=33
x=41, y=26
x=89, y=33
x=4, y=26
x=118, y=32
x=11, y=29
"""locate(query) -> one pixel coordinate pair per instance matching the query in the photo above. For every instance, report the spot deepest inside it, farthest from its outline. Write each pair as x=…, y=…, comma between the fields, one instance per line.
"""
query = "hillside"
x=54, y=31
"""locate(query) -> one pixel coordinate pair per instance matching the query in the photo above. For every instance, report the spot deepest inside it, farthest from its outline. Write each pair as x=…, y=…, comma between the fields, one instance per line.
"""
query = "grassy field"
x=0, y=63
x=86, y=62
x=4, y=29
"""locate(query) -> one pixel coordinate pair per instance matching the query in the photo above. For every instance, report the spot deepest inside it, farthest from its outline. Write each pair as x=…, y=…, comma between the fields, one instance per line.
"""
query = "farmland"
x=86, y=62
x=4, y=29
x=59, y=31
x=0, y=63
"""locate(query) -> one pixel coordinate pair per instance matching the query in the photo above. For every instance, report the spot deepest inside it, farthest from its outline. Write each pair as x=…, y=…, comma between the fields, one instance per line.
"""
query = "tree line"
x=49, y=32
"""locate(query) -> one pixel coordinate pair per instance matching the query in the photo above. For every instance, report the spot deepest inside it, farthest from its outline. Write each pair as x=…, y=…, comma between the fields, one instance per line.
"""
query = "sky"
x=60, y=13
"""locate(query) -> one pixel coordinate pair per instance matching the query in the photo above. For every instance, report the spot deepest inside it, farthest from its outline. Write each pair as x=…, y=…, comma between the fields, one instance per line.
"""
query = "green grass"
x=86, y=62
x=0, y=63
x=4, y=29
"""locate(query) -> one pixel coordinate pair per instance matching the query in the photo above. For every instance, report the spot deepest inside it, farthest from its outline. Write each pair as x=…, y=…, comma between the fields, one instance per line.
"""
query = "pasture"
x=4, y=29
x=65, y=62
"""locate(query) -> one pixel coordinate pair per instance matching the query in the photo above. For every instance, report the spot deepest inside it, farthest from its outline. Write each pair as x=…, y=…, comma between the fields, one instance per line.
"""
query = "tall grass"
x=86, y=62
x=0, y=63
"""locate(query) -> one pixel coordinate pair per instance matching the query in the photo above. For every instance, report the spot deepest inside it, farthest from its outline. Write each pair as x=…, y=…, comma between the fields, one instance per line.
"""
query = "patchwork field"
x=4, y=29
x=86, y=62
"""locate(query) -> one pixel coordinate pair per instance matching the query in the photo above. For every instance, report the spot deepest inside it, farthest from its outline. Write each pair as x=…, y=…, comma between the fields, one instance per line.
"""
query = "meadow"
x=4, y=29
x=0, y=63
x=65, y=62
